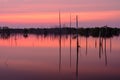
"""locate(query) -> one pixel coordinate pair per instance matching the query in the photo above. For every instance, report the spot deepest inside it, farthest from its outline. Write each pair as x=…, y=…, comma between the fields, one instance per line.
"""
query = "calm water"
x=59, y=58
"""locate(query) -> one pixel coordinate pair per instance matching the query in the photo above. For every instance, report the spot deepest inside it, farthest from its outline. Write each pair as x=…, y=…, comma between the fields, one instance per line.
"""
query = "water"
x=59, y=58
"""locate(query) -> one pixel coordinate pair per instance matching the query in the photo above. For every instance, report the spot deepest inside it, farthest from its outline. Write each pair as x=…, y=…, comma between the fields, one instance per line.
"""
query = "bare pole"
x=77, y=27
x=77, y=21
x=77, y=58
x=70, y=40
x=59, y=19
x=70, y=20
x=60, y=42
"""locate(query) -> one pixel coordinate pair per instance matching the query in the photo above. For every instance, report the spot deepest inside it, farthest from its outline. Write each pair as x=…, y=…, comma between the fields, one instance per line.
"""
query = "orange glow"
x=53, y=17
x=29, y=18
x=34, y=41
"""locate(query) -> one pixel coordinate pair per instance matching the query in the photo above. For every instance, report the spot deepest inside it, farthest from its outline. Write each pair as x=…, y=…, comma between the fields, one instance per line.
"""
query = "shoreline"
x=94, y=32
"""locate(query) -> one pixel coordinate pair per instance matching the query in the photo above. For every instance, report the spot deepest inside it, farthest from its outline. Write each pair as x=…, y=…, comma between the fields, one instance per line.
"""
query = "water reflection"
x=86, y=45
x=42, y=59
x=110, y=45
x=70, y=39
x=70, y=49
x=77, y=58
x=100, y=46
x=95, y=43
x=60, y=55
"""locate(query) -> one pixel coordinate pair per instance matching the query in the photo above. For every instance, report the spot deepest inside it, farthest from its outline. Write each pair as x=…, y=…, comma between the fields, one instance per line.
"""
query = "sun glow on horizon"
x=53, y=17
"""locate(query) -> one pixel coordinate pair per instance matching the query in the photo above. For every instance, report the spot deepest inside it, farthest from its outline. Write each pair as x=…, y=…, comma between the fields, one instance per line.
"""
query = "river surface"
x=59, y=58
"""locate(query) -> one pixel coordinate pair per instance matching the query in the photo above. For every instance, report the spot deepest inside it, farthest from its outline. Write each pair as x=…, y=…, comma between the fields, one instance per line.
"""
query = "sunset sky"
x=42, y=13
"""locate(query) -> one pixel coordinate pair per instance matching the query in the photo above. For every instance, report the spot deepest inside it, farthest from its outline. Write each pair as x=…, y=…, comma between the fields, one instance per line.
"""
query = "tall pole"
x=77, y=27
x=77, y=58
x=70, y=40
x=60, y=42
x=77, y=21
x=59, y=19
x=70, y=20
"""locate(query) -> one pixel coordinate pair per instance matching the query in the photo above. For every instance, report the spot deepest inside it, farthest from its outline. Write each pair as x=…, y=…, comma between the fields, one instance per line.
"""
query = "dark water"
x=59, y=58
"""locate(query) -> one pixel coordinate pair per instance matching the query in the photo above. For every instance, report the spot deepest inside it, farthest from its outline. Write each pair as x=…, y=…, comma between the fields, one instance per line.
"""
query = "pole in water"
x=60, y=56
x=70, y=40
x=77, y=56
x=59, y=19
x=77, y=21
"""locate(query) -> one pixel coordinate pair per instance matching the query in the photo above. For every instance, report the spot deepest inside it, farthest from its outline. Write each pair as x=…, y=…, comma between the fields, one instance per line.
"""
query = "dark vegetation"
x=105, y=31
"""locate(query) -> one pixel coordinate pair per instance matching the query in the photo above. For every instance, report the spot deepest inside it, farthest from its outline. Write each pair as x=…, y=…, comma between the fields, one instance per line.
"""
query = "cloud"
x=27, y=6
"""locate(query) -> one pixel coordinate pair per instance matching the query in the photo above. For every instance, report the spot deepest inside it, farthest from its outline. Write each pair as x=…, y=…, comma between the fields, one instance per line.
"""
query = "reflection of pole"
x=15, y=40
x=11, y=41
x=70, y=40
x=77, y=58
x=60, y=53
x=105, y=45
x=37, y=37
x=105, y=48
x=100, y=45
x=95, y=43
x=105, y=53
x=110, y=45
x=60, y=42
x=105, y=58
x=86, y=44
x=70, y=50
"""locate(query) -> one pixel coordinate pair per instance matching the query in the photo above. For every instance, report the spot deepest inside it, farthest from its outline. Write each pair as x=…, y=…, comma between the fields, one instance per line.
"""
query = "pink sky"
x=27, y=13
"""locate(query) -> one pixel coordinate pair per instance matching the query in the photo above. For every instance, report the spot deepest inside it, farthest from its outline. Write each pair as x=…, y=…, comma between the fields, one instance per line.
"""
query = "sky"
x=44, y=13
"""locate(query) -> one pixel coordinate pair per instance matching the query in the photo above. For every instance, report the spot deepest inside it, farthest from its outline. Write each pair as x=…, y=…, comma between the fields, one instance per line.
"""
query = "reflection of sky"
x=42, y=62
x=40, y=41
x=91, y=12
